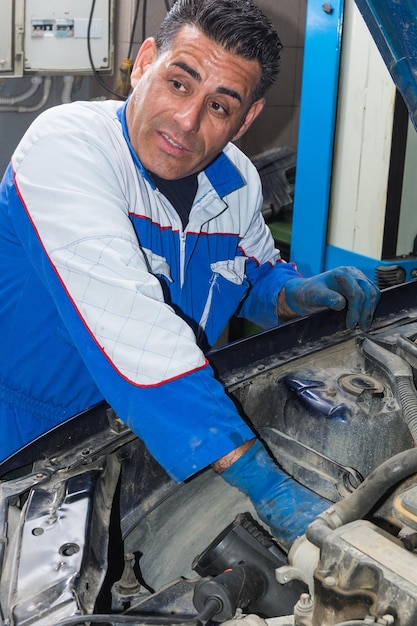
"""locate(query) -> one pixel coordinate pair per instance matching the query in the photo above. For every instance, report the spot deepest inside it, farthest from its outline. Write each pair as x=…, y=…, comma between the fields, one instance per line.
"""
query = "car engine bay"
x=94, y=531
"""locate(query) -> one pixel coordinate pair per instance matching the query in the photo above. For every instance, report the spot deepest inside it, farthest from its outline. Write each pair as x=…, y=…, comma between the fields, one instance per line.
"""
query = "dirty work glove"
x=283, y=504
x=335, y=289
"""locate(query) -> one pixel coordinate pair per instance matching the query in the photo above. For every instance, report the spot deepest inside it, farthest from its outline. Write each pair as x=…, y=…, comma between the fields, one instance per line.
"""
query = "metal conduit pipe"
x=357, y=504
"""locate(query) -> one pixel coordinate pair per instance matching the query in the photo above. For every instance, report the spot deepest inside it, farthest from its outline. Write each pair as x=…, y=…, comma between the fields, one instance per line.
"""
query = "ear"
x=250, y=116
x=145, y=57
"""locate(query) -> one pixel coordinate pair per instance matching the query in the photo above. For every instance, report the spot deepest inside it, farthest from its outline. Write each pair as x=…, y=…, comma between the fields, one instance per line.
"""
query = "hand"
x=335, y=289
x=283, y=504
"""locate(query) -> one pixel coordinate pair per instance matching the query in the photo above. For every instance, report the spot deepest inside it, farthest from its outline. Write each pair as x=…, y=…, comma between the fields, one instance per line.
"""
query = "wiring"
x=132, y=33
x=96, y=74
x=90, y=56
x=144, y=20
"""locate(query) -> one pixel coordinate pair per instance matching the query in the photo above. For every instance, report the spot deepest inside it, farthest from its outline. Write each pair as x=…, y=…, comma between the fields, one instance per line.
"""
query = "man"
x=130, y=234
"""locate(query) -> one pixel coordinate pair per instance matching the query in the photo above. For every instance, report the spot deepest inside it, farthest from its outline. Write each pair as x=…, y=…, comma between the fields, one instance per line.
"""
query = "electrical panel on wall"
x=6, y=37
x=11, y=37
x=67, y=36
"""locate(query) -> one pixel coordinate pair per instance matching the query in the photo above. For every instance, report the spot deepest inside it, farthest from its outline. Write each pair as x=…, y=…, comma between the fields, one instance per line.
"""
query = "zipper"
x=207, y=306
x=183, y=238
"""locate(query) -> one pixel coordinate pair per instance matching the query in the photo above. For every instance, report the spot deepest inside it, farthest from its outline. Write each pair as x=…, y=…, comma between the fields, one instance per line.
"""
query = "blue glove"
x=283, y=504
x=335, y=289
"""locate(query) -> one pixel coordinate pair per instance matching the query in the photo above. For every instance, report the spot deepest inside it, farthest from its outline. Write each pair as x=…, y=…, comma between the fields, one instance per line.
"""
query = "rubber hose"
x=400, y=374
x=357, y=504
x=408, y=400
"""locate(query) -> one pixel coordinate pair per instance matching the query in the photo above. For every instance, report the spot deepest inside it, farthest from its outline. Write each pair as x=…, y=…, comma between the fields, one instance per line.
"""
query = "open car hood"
x=393, y=26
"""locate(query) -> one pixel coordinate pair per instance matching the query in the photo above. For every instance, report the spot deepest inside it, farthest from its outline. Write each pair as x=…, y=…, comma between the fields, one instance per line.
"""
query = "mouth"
x=172, y=145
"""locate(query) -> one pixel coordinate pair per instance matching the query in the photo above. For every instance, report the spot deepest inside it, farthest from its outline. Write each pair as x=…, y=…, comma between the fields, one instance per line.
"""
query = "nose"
x=188, y=114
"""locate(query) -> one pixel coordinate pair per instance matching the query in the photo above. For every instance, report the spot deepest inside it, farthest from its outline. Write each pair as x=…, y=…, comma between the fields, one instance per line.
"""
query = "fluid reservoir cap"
x=356, y=384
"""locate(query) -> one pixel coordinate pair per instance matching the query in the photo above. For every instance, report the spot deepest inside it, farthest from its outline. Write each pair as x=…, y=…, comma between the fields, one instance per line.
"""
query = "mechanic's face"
x=188, y=103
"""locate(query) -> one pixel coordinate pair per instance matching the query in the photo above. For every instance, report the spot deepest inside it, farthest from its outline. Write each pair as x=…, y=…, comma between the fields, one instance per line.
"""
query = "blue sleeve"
x=187, y=422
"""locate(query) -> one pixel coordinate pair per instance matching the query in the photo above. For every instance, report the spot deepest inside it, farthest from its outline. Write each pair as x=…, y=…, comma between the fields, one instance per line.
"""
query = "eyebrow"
x=197, y=76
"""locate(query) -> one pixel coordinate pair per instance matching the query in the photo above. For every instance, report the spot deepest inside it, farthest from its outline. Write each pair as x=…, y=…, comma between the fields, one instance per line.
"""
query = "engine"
x=95, y=531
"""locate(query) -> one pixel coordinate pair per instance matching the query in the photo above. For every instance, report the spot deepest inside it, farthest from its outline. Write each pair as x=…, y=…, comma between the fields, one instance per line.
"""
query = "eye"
x=177, y=85
x=218, y=109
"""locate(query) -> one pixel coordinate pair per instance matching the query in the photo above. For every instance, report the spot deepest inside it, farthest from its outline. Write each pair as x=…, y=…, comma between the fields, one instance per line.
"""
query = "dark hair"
x=237, y=25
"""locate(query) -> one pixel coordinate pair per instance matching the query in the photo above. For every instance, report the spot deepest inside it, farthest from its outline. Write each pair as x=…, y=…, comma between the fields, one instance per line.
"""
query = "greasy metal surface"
x=313, y=469
x=76, y=441
x=56, y=521
x=248, y=357
x=370, y=430
x=363, y=570
x=55, y=534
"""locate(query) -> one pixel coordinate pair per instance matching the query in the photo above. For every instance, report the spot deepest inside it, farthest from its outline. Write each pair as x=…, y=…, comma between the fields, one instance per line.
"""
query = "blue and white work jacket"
x=104, y=295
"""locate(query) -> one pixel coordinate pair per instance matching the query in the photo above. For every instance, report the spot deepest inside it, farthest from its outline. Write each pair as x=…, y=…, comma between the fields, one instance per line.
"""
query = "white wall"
x=363, y=142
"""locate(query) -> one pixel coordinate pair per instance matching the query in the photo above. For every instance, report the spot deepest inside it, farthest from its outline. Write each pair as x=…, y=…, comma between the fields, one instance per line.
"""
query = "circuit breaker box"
x=67, y=36
x=6, y=36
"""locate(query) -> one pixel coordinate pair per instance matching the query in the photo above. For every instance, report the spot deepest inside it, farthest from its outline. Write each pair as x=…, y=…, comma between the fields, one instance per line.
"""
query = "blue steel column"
x=316, y=134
